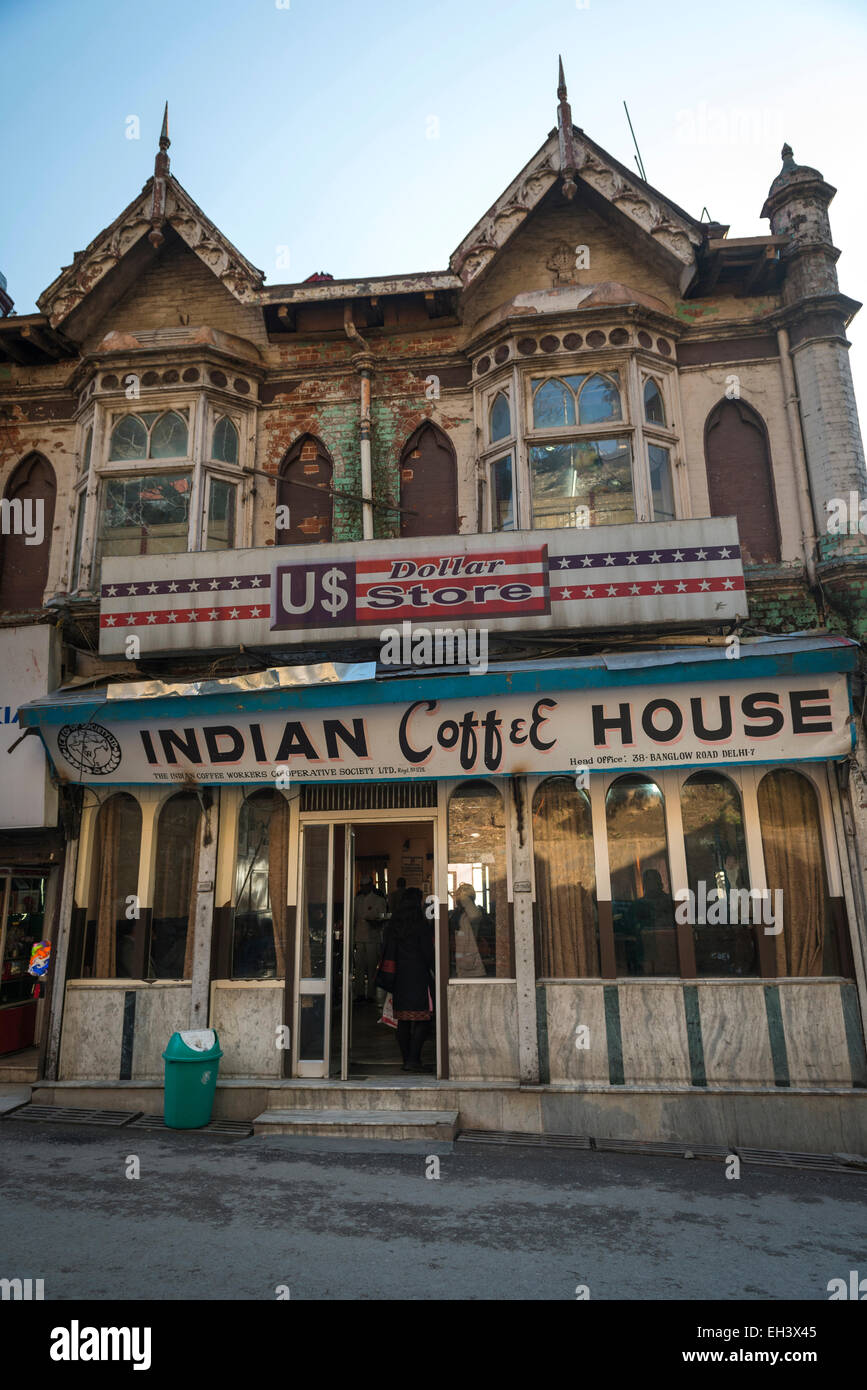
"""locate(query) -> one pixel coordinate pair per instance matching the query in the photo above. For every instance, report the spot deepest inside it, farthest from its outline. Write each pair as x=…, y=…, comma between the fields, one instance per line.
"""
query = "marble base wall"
x=483, y=1031
x=247, y=1015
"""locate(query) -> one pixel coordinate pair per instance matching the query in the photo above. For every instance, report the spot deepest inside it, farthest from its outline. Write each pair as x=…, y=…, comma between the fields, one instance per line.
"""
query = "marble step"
x=360, y=1124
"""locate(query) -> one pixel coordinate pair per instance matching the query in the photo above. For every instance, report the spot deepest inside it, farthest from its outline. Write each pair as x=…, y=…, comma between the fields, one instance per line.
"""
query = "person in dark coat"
x=409, y=946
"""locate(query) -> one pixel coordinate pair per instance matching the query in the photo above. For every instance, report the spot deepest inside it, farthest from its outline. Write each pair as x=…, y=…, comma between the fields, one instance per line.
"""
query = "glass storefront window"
x=261, y=868
x=566, y=920
x=25, y=925
x=175, y=889
x=480, y=937
x=795, y=870
x=716, y=863
x=112, y=947
x=642, y=905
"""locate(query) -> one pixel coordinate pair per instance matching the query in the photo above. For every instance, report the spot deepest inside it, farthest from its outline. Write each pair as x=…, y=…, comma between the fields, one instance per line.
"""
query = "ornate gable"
x=133, y=240
x=569, y=155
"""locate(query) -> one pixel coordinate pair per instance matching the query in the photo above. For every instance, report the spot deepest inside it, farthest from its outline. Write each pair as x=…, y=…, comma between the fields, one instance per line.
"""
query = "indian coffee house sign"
x=644, y=728
x=667, y=572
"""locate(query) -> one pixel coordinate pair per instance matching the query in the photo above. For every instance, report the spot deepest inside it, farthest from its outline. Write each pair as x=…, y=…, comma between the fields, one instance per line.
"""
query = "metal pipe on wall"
x=363, y=362
x=805, y=501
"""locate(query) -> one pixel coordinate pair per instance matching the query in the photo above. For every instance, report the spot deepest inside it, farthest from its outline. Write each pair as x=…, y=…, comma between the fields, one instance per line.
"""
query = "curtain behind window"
x=176, y=888
x=795, y=863
x=565, y=907
x=118, y=842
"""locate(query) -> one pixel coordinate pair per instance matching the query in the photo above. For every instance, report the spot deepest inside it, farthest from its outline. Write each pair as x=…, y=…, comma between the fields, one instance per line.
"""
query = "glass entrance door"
x=324, y=944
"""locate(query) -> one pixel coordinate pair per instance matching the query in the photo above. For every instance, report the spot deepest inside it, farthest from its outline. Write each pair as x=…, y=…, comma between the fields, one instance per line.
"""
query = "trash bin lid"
x=202, y=1039
x=193, y=1045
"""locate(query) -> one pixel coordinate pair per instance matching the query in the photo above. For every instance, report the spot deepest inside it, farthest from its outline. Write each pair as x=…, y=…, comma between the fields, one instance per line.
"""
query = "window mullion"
x=199, y=491
x=99, y=449
x=640, y=464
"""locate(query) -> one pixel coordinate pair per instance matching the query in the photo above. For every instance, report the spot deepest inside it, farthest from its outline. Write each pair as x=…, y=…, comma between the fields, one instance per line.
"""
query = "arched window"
x=175, y=888
x=169, y=437
x=428, y=484
x=480, y=934
x=565, y=909
x=25, y=551
x=740, y=478
x=224, y=445
x=305, y=505
x=642, y=904
x=113, y=946
x=796, y=878
x=261, y=884
x=654, y=408
x=598, y=401
x=501, y=418
x=129, y=439
x=554, y=403
x=149, y=434
x=716, y=870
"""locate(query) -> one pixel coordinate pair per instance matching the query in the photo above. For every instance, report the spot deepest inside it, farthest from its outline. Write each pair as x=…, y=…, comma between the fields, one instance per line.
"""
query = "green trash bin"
x=192, y=1062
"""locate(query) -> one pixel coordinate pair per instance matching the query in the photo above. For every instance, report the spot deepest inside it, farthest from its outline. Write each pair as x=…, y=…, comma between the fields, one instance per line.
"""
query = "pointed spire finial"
x=568, y=161
x=161, y=174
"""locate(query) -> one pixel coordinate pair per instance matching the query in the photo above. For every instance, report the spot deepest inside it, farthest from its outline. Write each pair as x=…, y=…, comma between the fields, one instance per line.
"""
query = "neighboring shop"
x=31, y=845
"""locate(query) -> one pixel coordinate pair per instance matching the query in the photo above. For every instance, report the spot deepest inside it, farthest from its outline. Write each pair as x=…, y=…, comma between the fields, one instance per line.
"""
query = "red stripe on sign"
x=387, y=616
x=156, y=617
x=649, y=588
x=509, y=557
x=470, y=582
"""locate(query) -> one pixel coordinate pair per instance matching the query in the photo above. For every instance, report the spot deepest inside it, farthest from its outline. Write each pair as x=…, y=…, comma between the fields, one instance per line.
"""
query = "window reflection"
x=480, y=938
x=642, y=905
x=716, y=862
x=261, y=868
x=591, y=473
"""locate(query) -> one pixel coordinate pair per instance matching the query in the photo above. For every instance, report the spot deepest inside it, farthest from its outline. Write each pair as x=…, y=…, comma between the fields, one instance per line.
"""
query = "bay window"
x=156, y=482
x=578, y=448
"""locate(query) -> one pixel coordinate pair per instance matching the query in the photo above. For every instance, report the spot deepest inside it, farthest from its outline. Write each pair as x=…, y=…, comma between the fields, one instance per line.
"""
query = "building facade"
x=617, y=451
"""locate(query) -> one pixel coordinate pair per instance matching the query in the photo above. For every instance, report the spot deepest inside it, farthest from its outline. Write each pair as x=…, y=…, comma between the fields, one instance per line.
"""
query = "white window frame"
x=203, y=411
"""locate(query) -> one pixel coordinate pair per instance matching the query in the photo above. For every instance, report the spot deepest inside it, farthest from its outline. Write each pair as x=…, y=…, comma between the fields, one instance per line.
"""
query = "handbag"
x=387, y=968
x=388, y=1017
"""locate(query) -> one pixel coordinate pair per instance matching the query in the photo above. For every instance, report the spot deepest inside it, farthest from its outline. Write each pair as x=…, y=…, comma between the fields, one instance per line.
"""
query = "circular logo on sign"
x=90, y=748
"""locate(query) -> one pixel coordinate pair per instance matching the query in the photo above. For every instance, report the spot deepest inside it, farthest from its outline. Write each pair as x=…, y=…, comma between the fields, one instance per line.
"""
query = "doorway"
x=339, y=1029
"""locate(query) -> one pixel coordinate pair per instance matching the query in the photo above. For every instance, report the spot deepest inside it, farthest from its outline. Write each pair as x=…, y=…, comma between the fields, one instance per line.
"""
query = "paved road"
x=234, y=1219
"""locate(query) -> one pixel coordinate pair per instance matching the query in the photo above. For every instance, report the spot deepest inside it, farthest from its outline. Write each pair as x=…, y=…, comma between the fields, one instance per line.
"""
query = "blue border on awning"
x=80, y=707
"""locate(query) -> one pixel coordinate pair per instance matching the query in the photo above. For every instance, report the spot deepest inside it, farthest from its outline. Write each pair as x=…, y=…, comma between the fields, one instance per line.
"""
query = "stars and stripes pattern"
x=629, y=574
x=221, y=599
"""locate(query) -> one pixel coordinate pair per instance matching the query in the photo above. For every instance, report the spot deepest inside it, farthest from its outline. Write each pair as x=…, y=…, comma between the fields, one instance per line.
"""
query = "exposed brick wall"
x=179, y=283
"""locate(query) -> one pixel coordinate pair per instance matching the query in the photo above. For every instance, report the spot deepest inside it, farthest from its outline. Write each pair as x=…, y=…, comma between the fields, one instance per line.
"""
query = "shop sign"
x=668, y=573
x=640, y=728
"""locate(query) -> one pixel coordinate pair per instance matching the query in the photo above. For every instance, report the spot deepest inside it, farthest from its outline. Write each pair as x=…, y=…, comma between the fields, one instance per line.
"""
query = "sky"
x=366, y=137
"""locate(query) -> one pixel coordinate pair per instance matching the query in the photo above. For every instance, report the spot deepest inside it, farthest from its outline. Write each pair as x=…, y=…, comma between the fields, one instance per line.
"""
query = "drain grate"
x=661, y=1147
x=772, y=1158
x=232, y=1129
x=58, y=1114
x=517, y=1137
